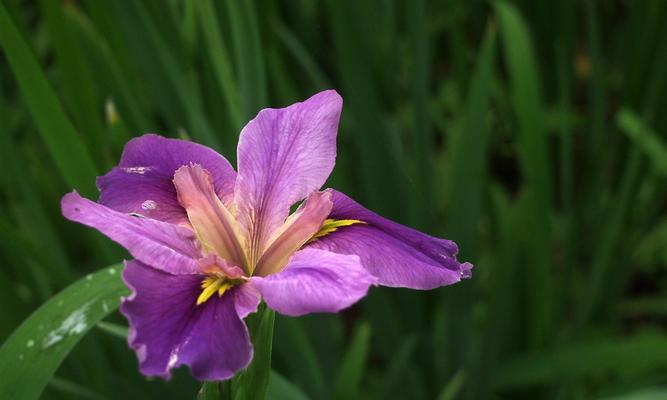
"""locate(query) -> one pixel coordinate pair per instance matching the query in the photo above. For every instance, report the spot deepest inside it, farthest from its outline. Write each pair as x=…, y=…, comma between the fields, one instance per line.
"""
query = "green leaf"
x=251, y=384
x=654, y=393
x=533, y=155
x=213, y=391
x=467, y=154
x=453, y=387
x=38, y=346
x=68, y=151
x=116, y=330
x=648, y=141
x=282, y=389
x=221, y=61
x=353, y=365
x=249, y=56
x=617, y=356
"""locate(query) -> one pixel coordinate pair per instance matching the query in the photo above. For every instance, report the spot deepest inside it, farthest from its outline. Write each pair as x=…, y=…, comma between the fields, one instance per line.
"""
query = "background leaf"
x=31, y=355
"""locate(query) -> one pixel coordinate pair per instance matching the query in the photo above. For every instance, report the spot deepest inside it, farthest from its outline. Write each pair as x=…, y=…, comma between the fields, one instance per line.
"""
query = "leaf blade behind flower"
x=67, y=149
x=39, y=345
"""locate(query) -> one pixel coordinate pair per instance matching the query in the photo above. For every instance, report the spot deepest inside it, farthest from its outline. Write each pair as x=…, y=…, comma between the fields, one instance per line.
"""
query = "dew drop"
x=89, y=277
x=112, y=271
x=21, y=357
x=149, y=205
x=30, y=343
x=137, y=170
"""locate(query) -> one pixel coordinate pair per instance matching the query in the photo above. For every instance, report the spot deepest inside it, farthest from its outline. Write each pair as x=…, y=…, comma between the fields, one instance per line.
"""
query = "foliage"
x=528, y=131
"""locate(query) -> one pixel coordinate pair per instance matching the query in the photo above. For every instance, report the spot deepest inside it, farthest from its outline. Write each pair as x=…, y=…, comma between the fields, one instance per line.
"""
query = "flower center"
x=212, y=284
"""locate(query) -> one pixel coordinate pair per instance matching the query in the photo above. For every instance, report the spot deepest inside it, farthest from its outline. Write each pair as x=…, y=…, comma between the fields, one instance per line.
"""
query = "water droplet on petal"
x=137, y=170
x=149, y=205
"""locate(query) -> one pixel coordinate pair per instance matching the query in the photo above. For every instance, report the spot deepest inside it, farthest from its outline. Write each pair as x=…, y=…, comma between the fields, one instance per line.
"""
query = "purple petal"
x=165, y=246
x=283, y=155
x=397, y=255
x=296, y=231
x=142, y=181
x=315, y=281
x=168, y=329
x=247, y=299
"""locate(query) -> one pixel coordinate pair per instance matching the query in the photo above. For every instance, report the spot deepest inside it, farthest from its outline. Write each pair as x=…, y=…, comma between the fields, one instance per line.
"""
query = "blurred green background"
x=531, y=132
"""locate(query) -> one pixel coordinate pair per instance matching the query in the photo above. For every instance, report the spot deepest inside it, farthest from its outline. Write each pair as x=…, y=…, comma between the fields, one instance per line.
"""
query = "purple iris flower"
x=209, y=243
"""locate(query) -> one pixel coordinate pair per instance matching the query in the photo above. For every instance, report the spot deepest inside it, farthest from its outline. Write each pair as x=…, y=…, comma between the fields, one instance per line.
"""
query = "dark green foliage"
x=531, y=132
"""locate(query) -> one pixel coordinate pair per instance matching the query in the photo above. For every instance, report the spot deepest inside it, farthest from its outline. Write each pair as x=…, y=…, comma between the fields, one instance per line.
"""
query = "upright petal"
x=142, y=182
x=168, y=329
x=162, y=245
x=294, y=233
x=397, y=255
x=315, y=281
x=215, y=226
x=283, y=155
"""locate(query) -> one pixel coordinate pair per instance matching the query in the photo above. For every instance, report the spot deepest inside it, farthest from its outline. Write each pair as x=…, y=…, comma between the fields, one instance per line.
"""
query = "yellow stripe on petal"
x=213, y=284
x=210, y=286
x=332, y=225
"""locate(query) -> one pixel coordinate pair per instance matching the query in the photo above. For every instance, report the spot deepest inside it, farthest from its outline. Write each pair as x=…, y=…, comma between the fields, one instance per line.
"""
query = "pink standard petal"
x=315, y=281
x=141, y=183
x=297, y=230
x=215, y=226
x=283, y=155
x=169, y=247
x=168, y=329
x=397, y=255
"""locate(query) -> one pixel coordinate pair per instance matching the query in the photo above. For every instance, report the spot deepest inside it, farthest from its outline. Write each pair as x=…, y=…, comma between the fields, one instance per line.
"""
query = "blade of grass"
x=301, y=54
x=535, y=168
x=421, y=132
x=219, y=55
x=248, y=54
x=77, y=80
x=352, y=367
x=156, y=54
x=34, y=351
x=65, y=147
x=641, y=352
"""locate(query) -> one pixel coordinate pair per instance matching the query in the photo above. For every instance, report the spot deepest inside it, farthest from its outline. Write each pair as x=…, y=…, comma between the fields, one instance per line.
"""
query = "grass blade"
x=68, y=151
x=34, y=351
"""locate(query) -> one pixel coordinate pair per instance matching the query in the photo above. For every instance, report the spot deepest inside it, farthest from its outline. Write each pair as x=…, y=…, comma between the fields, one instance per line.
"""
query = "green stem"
x=251, y=383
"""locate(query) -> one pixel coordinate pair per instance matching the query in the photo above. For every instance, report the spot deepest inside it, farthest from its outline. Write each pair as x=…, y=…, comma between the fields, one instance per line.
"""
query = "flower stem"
x=250, y=384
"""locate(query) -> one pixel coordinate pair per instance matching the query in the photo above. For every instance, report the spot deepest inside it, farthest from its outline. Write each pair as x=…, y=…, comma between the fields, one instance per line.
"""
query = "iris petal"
x=142, y=181
x=315, y=281
x=297, y=230
x=397, y=255
x=167, y=328
x=215, y=226
x=162, y=245
x=284, y=155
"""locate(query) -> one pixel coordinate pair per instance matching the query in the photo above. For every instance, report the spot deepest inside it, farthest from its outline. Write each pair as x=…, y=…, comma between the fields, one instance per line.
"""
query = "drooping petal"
x=315, y=281
x=142, y=181
x=283, y=155
x=167, y=328
x=166, y=246
x=296, y=231
x=216, y=228
x=247, y=299
x=397, y=255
